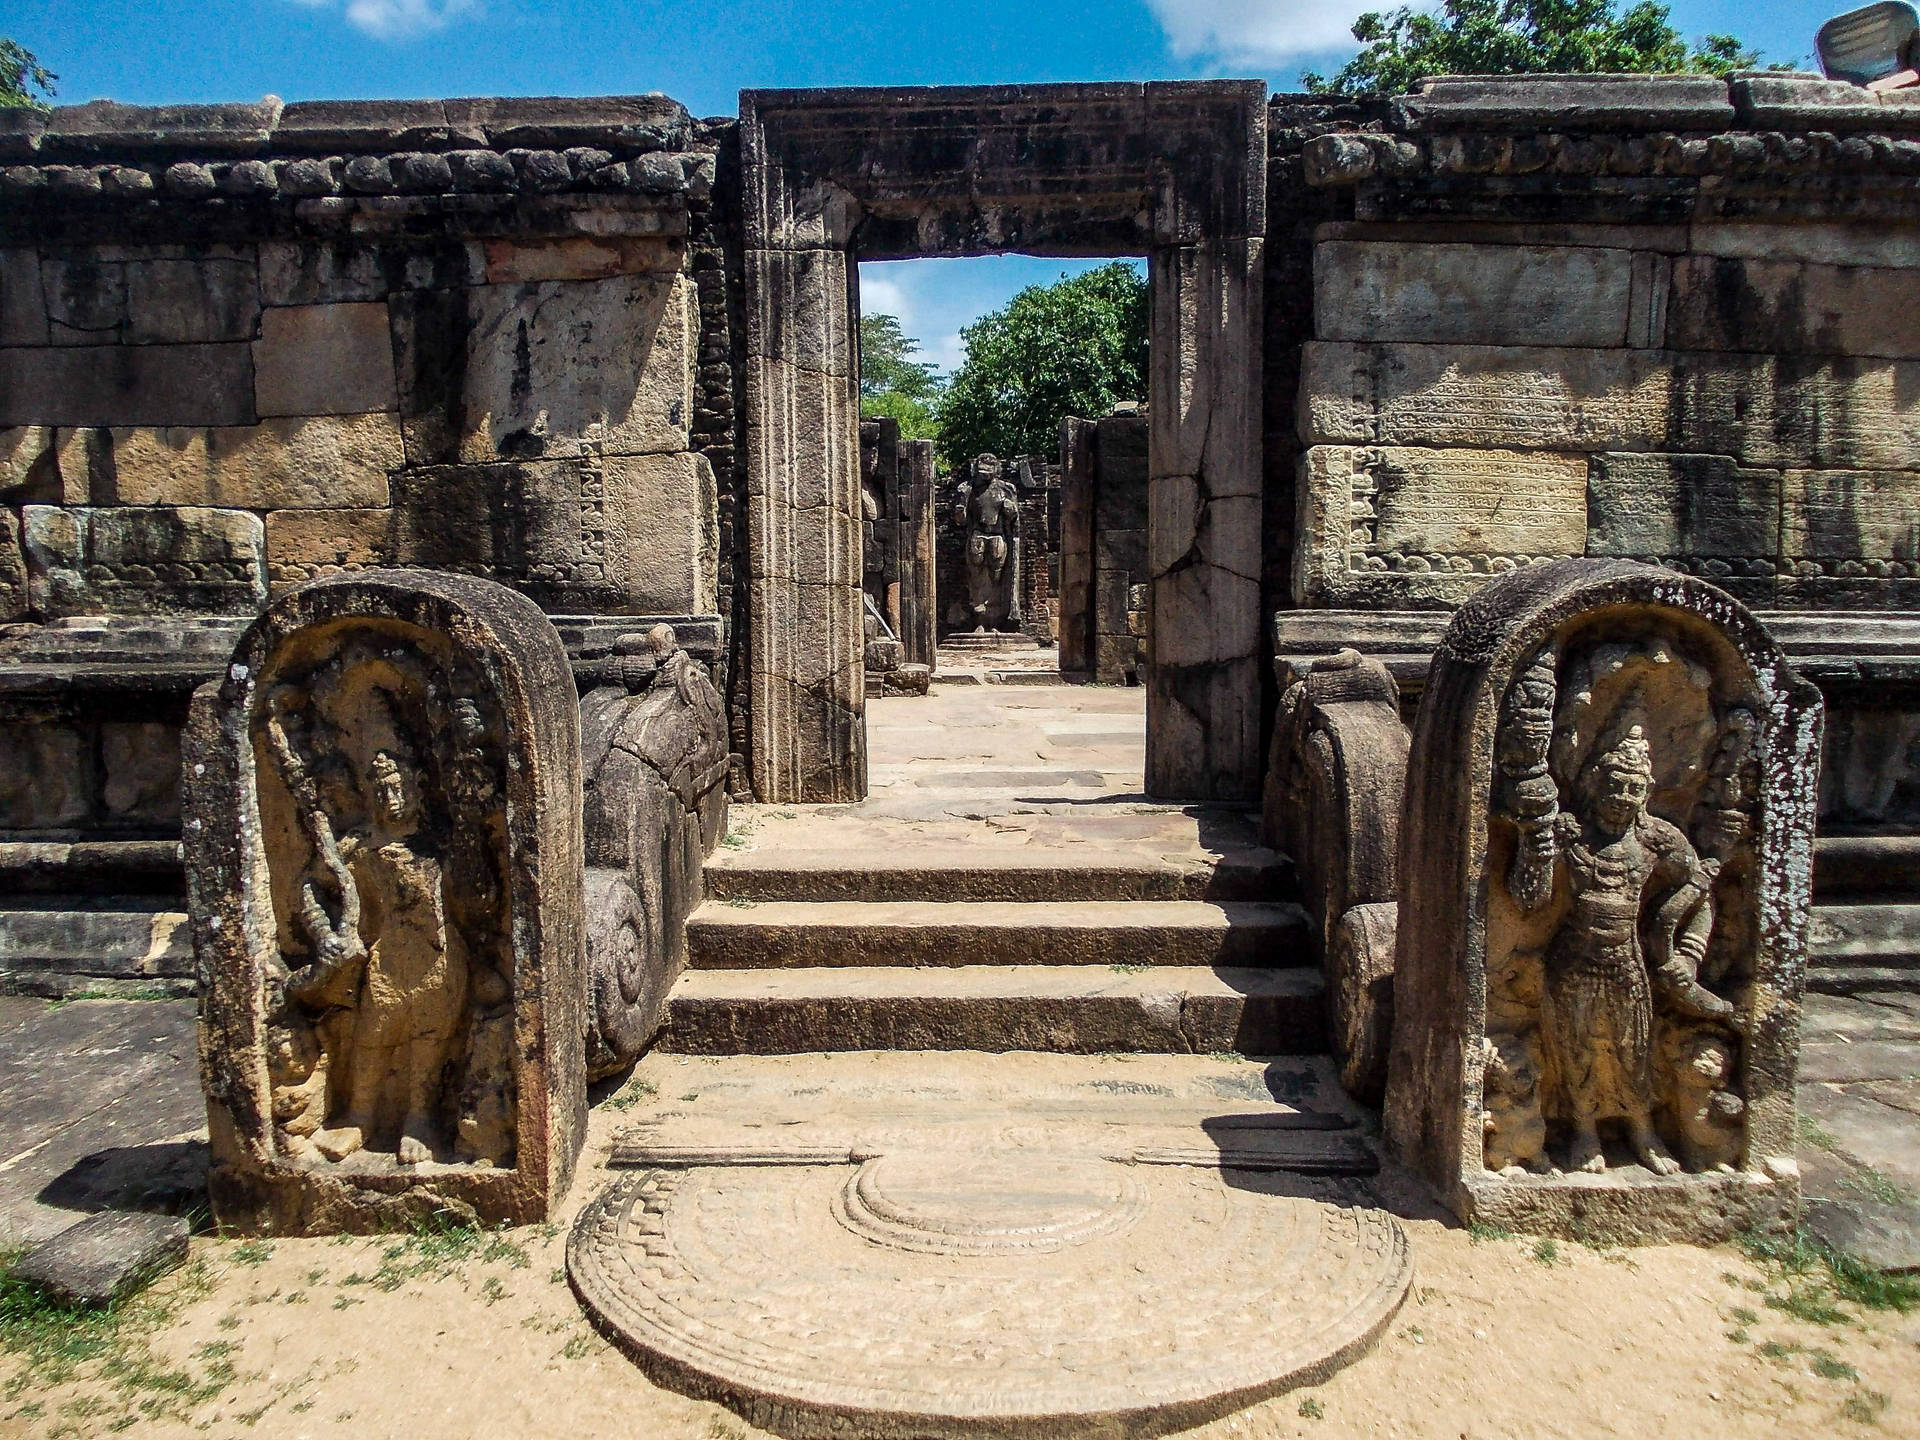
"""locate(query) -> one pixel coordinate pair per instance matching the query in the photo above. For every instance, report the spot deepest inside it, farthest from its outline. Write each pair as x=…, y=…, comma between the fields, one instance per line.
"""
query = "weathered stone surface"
x=369, y=1061
x=43, y=777
x=627, y=534
x=1472, y=294
x=655, y=755
x=1403, y=526
x=1664, y=506
x=103, y=127
x=510, y=262
x=1846, y=519
x=23, y=301
x=560, y=368
x=324, y=360
x=304, y=545
x=1334, y=780
x=1459, y=396
x=278, y=464
x=1573, y=102
x=13, y=569
x=1799, y=102
x=1793, y=308
x=119, y=295
x=1627, y=943
x=148, y=561
x=104, y=1258
x=299, y=273
x=127, y=385
x=30, y=468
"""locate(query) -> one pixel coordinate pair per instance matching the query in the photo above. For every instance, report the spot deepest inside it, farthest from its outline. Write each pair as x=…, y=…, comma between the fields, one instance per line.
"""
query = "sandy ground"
x=437, y=1338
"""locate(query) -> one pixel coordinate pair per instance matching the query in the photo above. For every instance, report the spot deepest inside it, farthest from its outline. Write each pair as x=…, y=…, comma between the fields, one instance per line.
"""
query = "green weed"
x=1481, y=1233
x=1816, y=1277
x=1828, y=1368
x=251, y=1252
x=1128, y=969
x=1866, y=1407
x=632, y=1093
x=1311, y=1409
x=1547, y=1253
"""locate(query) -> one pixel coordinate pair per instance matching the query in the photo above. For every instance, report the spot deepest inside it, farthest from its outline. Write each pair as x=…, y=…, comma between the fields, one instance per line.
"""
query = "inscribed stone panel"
x=1476, y=503
x=1471, y=294
x=1668, y=506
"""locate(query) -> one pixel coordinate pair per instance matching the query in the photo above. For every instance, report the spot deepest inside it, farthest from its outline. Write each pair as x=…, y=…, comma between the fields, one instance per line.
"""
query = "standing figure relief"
x=393, y=1035
x=1599, y=1024
x=987, y=512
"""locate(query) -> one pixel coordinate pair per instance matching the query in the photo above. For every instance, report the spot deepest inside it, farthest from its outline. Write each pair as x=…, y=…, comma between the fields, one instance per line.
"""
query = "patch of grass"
x=1866, y=1407
x=1745, y=1316
x=735, y=840
x=1814, y=1134
x=251, y=1252
x=689, y=1097
x=52, y=1346
x=1481, y=1233
x=1547, y=1253
x=1740, y=1336
x=578, y=1348
x=737, y=902
x=1779, y=1350
x=1311, y=1409
x=1817, y=1279
x=495, y=1290
x=1869, y=1182
x=1828, y=1368
x=632, y=1093
x=1227, y=1055
x=1129, y=969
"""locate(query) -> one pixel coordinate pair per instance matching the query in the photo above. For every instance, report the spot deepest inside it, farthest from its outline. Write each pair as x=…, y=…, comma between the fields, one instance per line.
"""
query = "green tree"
x=21, y=74
x=893, y=385
x=1522, y=37
x=1070, y=348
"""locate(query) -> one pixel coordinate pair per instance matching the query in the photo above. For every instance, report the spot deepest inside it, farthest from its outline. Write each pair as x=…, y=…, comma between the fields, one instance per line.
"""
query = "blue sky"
x=703, y=52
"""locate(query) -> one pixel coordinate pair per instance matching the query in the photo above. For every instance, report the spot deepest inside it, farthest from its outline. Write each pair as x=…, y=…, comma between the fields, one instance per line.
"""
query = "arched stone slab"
x=923, y=1294
x=384, y=864
x=1605, y=866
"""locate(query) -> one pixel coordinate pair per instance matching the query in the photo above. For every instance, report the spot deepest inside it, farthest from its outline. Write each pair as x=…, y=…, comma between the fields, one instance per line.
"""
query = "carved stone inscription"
x=381, y=778
x=1619, y=929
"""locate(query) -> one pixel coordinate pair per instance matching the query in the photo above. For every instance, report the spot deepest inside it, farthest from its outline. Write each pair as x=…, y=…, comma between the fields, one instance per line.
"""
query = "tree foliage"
x=1522, y=37
x=21, y=75
x=1070, y=348
x=893, y=385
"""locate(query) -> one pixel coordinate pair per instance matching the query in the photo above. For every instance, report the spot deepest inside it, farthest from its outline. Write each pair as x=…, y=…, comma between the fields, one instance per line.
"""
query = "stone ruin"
x=1594, y=362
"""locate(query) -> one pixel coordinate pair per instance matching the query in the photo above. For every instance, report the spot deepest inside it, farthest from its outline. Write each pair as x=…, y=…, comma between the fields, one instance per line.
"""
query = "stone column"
x=919, y=606
x=803, y=528
x=1076, y=544
x=1203, y=699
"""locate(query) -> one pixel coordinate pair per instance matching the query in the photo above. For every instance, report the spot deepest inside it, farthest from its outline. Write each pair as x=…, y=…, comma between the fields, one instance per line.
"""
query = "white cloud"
x=882, y=295
x=397, y=19
x=1225, y=34
x=944, y=354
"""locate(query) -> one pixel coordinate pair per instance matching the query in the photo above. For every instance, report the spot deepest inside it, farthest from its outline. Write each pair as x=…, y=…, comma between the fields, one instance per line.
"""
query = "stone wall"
x=242, y=347
x=1103, y=546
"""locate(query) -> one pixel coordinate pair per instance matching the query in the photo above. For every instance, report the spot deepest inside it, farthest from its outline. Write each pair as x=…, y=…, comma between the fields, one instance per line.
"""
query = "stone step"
x=1070, y=1009
x=57, y=951
x=1859, y=865
x=1863, y=947
x=956, y=873
x=839, y=933
x=93, y=867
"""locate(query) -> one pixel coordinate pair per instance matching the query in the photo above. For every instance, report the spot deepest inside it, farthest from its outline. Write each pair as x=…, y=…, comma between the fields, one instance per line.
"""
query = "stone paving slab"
x=100, y=1106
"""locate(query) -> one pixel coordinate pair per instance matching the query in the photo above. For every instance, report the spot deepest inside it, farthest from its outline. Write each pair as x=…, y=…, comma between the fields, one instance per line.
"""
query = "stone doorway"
x=831, y=177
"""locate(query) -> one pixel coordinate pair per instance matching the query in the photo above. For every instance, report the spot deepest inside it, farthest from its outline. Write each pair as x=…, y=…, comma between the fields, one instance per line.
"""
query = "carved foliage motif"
x=1621, y=922
x=380, y=762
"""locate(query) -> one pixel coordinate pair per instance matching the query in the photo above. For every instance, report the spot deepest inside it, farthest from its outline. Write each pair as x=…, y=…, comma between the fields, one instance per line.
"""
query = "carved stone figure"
x=1601, y=938
x=387, y=907
x=987, y=511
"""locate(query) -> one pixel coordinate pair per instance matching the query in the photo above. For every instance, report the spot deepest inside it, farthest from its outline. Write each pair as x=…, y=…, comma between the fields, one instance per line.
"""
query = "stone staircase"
x=1865, y=932
x=932, y=948
x=100, y=918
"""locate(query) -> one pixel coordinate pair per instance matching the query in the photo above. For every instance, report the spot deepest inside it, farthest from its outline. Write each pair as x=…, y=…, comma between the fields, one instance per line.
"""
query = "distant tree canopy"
x=1070, y=348
x=893, y=385
x=21, y=75
x=1522, y=37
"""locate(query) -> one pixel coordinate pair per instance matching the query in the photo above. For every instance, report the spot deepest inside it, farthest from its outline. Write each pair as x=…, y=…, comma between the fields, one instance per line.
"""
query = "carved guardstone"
x=384, y=863
x=1334, y=781
x=1605, y=864
x=655, y=753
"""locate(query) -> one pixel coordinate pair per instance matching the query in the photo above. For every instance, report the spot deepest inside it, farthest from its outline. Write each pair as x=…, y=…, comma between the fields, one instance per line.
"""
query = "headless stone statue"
x=987, y=511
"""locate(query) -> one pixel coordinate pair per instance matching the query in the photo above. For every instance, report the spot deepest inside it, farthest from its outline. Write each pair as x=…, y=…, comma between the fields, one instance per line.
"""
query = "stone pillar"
x=1077, y=492
x=384, y=862
x=1605, y=864
x=919, y=603
x=807, y=639
x=1203, y=701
